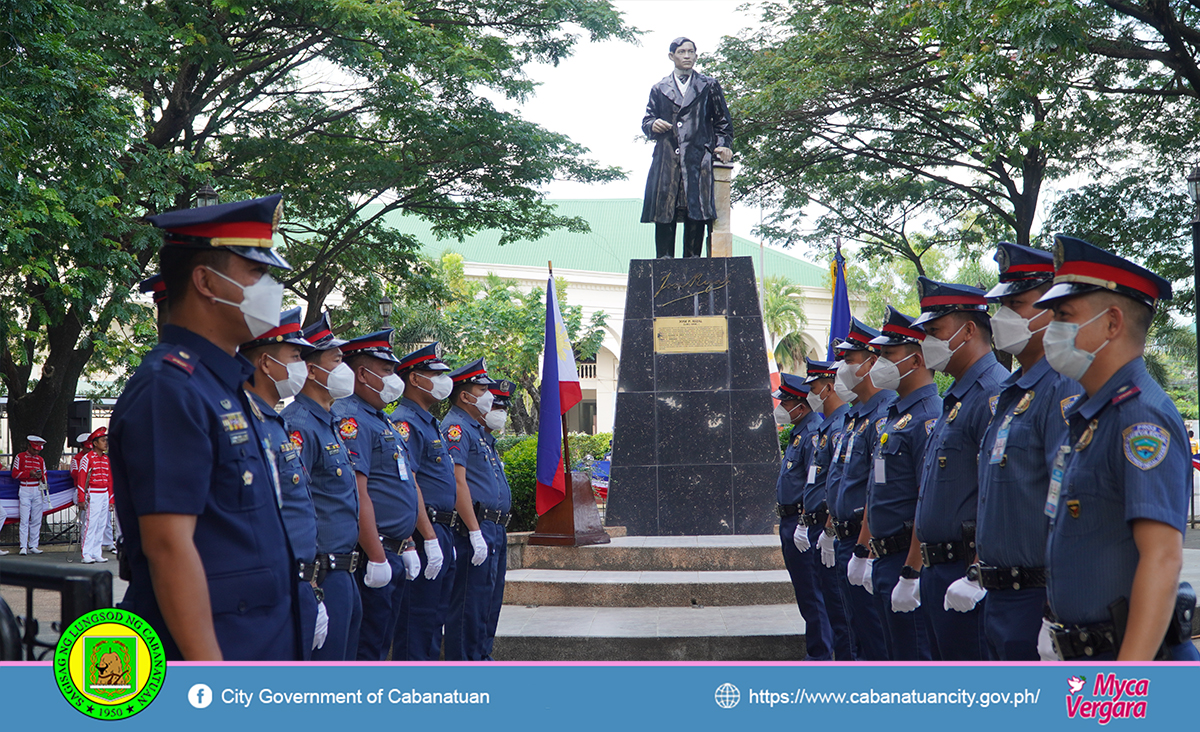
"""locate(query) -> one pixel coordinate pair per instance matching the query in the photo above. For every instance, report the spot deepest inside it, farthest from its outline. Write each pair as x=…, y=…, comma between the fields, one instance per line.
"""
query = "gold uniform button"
x=396, y=455
x=339, y=472
x=247, y=477
x=295, y=478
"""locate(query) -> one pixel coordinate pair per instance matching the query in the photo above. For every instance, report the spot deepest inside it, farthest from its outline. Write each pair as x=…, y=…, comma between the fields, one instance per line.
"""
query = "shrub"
x=520, y=466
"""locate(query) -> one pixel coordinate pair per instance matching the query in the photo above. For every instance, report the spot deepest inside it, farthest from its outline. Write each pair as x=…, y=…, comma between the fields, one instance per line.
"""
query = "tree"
x=783, y=314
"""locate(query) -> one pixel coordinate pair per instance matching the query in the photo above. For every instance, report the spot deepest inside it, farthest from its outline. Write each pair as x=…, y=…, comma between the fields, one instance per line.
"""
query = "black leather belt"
x=306, y=571
x=446, y=518
x=338, y=562
x=1084, y=641
x=814, y=518
x=788, y=509
x=395, y=546
x=1011, y=578
x=847, y=530
x=897, y=544
x=941, y=553
x=494, y=515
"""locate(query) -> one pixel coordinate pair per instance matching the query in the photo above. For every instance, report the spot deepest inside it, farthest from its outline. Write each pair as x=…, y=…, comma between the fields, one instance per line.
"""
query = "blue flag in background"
x=839, y=325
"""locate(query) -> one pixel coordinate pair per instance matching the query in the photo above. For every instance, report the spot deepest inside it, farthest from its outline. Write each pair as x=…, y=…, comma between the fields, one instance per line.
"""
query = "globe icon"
x=728, y=696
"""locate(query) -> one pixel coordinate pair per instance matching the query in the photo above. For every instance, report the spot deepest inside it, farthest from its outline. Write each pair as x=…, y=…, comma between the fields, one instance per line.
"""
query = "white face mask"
x=297, y=374
x=885, y=375
x=339, y=382
x=441, y=386
x=260, y=302
x=1011, y=333
x=847, y=376
x=1064, y=356
x=938, y=352
x=393, y=387
x=495, y=420
x=782, y=416
x=484, y=403
x=815, y=402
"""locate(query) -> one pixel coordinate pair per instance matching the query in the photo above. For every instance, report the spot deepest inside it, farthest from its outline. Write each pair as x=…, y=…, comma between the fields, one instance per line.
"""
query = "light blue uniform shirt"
x=828, y=472
x=793, y=473
x=862, y=435
x=892, y=501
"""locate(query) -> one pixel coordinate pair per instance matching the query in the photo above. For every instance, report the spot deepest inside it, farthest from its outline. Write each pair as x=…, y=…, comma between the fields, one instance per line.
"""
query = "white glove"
x=825, y=543
x=963, y=595
x=1045, y=643
x=868, y=579
x=479, y=548
x=801, y=538
x=856, y=571
x=412, y=563
x=322, y=626
x=378, y=574
x=433, y=558
x=906, y=595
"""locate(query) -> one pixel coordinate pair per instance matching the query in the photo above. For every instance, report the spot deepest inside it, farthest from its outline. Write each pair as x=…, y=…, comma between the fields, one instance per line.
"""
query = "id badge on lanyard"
x=1056, y=480
x=1001, y=441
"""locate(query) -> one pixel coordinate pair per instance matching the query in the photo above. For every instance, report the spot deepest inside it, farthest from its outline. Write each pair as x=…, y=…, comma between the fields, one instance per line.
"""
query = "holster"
x=968, y=534
x=123, y=569
x=1180, y=627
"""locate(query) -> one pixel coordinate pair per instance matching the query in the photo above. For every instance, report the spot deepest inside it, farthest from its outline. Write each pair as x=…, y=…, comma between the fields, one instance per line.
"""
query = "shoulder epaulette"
x=1125, y=392
x=182, y=358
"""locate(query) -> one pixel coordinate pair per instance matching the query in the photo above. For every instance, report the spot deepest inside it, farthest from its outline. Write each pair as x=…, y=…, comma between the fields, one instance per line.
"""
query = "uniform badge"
x=247, y=477
x=953, y=412
x=824, y=441
x=297, y=439
x=234, y=421
x=348, y=428
x=179, y=359
x=863, y=427
x=992, y=403
x=1146, y=444
x=789, y=465
x=226, y=404
x=929, y=425
x=1086, y=438
x=454, y=433
x=254, y=408
x=1065, y=404
x=903, y=421
x=403, y=429
x=814, y=441
x=1073, y=508
x=883, y=438
x=879, y=423
x=850, y=426
x=1022, y=405
x=796, y=441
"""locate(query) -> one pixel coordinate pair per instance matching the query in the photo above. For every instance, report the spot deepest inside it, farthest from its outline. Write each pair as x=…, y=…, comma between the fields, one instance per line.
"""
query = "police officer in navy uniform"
x=793, y=411
x=211, y=568
x=502, y=391
x=958, y=341
x=1119, y=489
x=387, y=494
x=315, y=430
x=864, y=421
x=1015, y=460
x=279, y=373
x=822, y=398
x=427, y=600
x=476, y=473
x=895, y=482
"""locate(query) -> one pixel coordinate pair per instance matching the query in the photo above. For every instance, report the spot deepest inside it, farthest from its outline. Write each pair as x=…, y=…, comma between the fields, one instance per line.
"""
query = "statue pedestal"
x=721, y=242
x=695, y=449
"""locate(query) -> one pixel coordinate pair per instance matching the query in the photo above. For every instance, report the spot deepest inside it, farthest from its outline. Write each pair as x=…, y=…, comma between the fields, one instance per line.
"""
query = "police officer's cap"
x=819, y=370
x=791, y=388
x=1081, y=268
x=502, y=392
x=473, y=373
x=242, y=227
x=288, y=331
x=943, y=298
x=156, y=286
x=320, y=334
x=858, y=339
x=377, y=344
x=1021, y=269
x=423, y=359
x=898, y=330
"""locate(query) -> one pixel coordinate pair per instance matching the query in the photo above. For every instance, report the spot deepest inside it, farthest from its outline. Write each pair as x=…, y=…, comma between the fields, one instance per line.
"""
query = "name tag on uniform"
x=849, y=447
x=238, y=438
x=402, y=465
x=1001, y=441
x=812, y=474
x=880, y=470
x=1056, y=481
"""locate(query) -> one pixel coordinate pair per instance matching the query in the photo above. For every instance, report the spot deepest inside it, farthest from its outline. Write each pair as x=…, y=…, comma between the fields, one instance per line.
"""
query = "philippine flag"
x=560, y=392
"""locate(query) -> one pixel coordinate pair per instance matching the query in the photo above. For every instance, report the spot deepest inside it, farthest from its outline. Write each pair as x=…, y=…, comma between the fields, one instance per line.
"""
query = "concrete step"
x=662, y=553
x=740, y=633
x=683, y=589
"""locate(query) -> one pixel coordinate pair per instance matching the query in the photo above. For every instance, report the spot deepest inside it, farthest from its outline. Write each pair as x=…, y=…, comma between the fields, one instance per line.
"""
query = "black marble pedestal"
x=695, y=450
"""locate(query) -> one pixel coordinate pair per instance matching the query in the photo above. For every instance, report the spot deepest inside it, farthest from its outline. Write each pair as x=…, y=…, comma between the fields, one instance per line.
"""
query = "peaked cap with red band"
x=377, y=344
x=1021, y=269
x=245, y=228
x=155, y=286
x=898, y=330
x=288, y=331
x=1081, y=268
x=473, y=373
x=791, y=388
x=100, y=432
x=320, y=334
x=859, y=338
x=819, y=370
x=502, y=391
x=423, y=359
x=943, y=298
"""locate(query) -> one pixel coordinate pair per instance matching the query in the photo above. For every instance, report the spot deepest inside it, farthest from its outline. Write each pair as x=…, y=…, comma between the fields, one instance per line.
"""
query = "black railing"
x=81, y=589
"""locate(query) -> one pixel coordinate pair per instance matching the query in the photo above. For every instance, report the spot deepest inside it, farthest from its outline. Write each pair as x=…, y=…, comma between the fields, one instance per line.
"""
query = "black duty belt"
x=943, y=552
x=446, y=518
x=494, y=515
x=847, y=530
x=338, y=562
x=1011, y=578
x=897, y=544
x=395, y=546
x=1084, y=641
x=815, y=518
x=788, y=509
x=307, y=571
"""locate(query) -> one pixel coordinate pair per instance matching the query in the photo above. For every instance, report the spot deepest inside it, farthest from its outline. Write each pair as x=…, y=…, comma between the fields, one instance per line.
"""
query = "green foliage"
x=782, y=434
x=783, y=314
x=520, y=466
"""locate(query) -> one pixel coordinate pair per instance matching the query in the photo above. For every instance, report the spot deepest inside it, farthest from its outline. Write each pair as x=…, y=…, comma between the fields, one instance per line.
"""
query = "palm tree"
x=783, y=314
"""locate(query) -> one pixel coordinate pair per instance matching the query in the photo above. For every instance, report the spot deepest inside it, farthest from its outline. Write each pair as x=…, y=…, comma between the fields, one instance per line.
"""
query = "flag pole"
x=566, y=442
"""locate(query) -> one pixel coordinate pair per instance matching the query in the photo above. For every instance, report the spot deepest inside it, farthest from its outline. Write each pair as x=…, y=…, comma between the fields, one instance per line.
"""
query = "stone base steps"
x=573, y=588
x=662, y=553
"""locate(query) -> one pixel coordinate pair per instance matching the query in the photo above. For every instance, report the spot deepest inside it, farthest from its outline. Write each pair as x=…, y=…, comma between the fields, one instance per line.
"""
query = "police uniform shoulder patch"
x=879, y=423
x=815, y=440
x=297, y=439
x=454, y=433
x=992, y=404
x=403, y=429
x=1125, y=392
x=1065, y=404
x=181, y=358
x=1146, y=444
x=929, y=425
x=348, y=428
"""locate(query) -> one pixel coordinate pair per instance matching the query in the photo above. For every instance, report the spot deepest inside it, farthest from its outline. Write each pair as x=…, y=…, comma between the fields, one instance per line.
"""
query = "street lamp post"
x=206, y=196
x=1193, y=182
x=385, y=309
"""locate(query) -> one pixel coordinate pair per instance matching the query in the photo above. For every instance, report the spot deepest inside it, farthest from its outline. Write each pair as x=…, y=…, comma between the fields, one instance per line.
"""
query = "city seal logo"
x=1146, y=444
x=109, y=664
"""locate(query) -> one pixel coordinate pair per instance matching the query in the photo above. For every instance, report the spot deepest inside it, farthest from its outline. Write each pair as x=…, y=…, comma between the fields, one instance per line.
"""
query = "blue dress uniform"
x=892, y=496
x=471, y=598
x=427, y=601
x=946, y=508
x=1126, y=458
x=1018, y=452
x=816, y=511
x=183, y=443
x=377, y=452
x=863, y=423
x=335, y=498
x=789, y=496
x=502, y=391
x=299, y=516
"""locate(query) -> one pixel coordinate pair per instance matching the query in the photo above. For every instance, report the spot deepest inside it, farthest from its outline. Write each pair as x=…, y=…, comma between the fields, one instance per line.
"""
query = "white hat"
x=83, y=437
x=34, y=438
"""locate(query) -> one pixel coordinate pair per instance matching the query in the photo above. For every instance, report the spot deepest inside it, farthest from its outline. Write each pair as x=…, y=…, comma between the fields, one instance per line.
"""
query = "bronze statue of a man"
x=689, y=121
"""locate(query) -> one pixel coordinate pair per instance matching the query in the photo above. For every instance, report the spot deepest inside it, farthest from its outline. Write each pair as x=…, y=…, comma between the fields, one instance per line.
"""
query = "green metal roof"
x=616, y=237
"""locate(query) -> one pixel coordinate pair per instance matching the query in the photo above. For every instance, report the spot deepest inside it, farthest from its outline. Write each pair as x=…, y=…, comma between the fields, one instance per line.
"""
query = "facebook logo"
x=200, y=696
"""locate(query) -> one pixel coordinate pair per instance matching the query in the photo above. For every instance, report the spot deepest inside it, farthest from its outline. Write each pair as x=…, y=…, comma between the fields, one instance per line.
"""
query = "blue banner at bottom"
x=632, y=697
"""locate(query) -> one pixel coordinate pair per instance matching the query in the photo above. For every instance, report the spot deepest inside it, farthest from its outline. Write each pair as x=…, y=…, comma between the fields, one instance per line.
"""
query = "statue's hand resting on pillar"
x=724, y=153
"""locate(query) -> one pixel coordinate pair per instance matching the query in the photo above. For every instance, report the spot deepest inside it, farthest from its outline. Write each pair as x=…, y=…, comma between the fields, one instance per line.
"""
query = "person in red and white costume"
x=29, y=469
x=97, y=485
x=85, y=446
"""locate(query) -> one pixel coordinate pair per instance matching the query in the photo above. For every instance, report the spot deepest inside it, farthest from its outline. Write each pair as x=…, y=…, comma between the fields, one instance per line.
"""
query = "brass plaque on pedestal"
x=709, y=334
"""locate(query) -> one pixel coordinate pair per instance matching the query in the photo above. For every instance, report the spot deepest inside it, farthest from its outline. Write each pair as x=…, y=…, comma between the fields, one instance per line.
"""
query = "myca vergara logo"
x=1111, y=698
x=109, y=664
